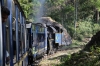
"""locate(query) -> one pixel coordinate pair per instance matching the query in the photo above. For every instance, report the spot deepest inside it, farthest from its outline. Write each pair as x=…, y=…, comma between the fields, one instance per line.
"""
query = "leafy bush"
x=84, y=29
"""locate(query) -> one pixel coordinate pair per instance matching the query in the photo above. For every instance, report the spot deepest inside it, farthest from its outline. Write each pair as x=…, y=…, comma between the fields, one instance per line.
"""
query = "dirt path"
x=55, y=58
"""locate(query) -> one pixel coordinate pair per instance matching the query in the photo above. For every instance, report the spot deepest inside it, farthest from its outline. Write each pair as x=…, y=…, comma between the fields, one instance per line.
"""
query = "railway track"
x=38, y=61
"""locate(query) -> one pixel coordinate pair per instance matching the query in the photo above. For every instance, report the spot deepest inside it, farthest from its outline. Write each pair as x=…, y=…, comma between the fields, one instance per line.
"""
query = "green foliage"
x=55, y=2
x=86, y=29
x=59, y=10
x=96, y=28
x=27, y=7
x=30, y=8
x=96, y=4
x=83, y=58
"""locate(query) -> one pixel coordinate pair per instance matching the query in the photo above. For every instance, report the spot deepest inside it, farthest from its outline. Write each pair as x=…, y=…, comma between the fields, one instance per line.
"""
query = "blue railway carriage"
x=13, y=35
x=38, y=39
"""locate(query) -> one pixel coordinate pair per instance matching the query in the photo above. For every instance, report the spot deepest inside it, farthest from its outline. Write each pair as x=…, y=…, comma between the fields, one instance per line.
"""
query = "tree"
x=89, y=8
x=60, y=9
x=29, y=8
x=96, y=10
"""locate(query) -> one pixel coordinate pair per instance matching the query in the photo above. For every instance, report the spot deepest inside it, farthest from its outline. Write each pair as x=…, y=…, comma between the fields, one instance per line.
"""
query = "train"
x=27, y=41
x=45, y=39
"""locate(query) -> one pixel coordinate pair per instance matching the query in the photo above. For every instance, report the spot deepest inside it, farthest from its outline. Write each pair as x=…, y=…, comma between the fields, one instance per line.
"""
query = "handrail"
x=1, y=40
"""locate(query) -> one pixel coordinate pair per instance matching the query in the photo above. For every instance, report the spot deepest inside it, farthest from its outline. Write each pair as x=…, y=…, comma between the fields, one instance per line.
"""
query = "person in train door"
x=5, y=13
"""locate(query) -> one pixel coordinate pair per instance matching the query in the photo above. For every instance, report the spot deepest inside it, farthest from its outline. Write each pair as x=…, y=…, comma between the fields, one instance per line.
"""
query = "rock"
x=95, y=41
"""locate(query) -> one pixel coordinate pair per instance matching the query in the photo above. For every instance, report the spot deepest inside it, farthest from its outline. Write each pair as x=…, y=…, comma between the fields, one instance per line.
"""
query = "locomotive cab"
x=51, y=39
x=38, y=39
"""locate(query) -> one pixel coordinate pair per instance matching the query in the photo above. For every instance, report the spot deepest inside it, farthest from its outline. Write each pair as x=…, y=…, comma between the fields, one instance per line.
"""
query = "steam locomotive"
x=45, y=39
x=22, y=39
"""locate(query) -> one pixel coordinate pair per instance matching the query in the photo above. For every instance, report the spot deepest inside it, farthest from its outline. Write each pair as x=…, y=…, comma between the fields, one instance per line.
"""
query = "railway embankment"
x=88, y=56
x=84, y=55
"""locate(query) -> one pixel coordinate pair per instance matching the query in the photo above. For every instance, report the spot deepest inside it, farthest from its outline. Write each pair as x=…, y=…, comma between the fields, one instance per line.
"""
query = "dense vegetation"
x=81, y=18
x=77, y=16
x=83, y=58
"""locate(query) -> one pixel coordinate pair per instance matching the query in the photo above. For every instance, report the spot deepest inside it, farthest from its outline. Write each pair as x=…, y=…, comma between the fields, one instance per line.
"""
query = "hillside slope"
x=88, y=56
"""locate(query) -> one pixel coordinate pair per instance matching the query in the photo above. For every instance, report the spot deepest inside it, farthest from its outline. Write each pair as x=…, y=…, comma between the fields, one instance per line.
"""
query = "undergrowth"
x=83, y=58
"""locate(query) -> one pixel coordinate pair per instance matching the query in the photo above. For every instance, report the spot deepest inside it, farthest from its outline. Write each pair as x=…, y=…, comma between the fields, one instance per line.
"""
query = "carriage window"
x=41, y=29
x=33, y=27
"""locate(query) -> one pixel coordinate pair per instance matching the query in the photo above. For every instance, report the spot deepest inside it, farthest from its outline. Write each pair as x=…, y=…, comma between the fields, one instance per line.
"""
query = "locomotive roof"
x=40, y=24
x=54, y=30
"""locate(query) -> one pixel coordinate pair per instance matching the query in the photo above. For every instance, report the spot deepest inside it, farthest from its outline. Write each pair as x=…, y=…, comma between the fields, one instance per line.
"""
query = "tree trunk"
x=97, y=16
